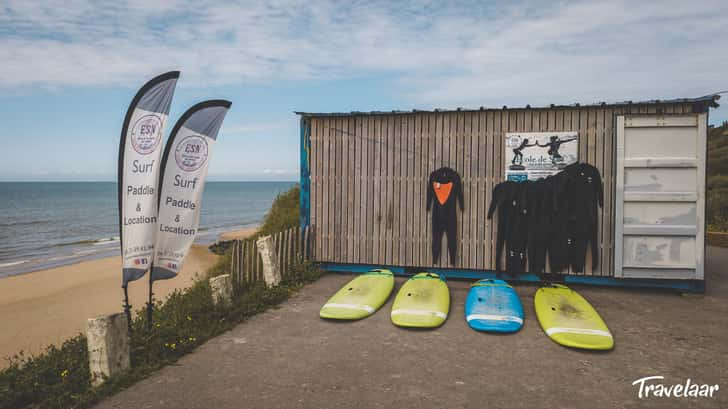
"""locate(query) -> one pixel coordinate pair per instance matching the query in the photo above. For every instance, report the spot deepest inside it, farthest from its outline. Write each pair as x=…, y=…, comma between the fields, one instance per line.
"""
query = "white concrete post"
x=271, y=269
x=222, y=289
x=108, y=346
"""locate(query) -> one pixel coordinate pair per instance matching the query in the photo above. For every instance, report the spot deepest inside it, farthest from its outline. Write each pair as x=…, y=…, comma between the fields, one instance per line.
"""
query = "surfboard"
x=493, y=305
x=568, y=319
x=422, y=302
x=361, y=297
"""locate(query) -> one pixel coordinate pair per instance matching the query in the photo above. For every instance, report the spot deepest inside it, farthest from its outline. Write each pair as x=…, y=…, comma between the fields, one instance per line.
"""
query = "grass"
x=717, y=185
x=59, y=377
x=283, y=214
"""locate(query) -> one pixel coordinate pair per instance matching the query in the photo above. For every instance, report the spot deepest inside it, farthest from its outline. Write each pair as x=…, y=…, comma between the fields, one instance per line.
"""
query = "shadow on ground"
x=289, y=358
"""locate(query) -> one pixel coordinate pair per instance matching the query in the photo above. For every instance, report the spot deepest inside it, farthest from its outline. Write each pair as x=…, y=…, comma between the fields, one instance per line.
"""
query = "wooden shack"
x=364, y=175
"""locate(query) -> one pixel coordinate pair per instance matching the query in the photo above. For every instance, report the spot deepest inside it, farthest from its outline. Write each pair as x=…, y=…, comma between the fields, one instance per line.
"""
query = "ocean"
x=48, y=224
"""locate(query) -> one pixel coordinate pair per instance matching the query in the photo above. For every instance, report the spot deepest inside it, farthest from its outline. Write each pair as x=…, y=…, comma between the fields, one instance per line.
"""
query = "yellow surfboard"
x=422, y=302
x=569, y=319
x=361, y=297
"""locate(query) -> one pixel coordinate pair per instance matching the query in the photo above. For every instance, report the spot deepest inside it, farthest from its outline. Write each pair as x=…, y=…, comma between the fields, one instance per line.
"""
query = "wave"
x=110, y=240
x=25, y=223
x=13, y=263
x=94, y=242
x=75, y=255
x=233, y=225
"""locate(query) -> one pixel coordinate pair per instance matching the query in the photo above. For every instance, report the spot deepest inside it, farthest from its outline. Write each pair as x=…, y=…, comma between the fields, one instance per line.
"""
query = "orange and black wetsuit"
x=445, y=188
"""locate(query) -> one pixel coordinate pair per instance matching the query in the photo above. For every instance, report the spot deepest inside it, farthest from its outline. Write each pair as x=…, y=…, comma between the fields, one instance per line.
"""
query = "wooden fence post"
x=271, y=268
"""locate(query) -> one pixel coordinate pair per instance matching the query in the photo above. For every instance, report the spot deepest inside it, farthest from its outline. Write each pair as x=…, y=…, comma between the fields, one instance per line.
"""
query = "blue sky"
x=71, y=68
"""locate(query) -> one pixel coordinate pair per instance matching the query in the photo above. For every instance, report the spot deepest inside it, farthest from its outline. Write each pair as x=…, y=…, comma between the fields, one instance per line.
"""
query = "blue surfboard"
x=493, y=305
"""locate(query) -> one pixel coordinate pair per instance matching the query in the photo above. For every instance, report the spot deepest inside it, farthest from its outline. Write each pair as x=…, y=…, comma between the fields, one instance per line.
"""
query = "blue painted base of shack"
x=691, y=286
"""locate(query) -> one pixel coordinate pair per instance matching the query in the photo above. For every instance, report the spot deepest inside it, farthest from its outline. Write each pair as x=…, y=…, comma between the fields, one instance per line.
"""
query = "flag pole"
x=189, y=145
x=150, y=304
x=127, y=307
x=141, y=134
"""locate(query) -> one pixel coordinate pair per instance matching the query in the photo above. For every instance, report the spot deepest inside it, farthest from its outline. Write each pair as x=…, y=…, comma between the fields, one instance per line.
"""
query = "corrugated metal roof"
x=710, y=100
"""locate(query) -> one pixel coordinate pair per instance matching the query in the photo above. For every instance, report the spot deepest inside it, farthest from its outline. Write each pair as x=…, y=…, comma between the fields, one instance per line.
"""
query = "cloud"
x=439, y=53
x=279, y=171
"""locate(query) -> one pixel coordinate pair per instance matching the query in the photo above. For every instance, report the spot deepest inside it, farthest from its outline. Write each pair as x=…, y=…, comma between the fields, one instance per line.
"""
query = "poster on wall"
x=535, y=155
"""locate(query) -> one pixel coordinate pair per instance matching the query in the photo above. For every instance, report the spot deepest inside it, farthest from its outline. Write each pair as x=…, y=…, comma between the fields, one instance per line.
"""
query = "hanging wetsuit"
x=584, y=193
x=560, y=243
x=444, y=189
x=539, y=224
x=509, y=198
x=517, y=240
x=557, y=215
x=502, y=195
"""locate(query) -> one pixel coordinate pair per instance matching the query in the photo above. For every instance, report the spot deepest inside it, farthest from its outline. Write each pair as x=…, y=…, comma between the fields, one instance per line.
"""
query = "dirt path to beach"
x=289, y=358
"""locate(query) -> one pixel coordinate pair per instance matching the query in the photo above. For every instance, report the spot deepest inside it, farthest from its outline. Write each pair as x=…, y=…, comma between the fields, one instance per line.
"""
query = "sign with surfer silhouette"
x=535, y=155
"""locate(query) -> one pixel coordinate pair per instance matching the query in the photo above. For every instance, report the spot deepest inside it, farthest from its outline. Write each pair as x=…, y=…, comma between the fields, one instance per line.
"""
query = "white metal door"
x=660, y=196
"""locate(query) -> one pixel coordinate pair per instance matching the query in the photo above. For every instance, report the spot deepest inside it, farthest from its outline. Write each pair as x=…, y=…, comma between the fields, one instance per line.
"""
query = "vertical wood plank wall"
x=369, y=177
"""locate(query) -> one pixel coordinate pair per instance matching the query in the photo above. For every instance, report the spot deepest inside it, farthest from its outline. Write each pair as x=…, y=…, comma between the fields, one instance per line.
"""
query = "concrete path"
x=289, y=358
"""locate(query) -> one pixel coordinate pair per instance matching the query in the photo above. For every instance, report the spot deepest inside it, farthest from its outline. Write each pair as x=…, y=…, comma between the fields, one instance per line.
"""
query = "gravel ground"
x=289, y=358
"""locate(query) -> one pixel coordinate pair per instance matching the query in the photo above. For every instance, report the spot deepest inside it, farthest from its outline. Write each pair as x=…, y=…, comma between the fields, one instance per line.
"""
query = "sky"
x=70, y=68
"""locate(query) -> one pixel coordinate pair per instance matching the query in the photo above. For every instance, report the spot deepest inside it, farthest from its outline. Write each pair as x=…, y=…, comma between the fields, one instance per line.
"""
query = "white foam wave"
x=13, y=263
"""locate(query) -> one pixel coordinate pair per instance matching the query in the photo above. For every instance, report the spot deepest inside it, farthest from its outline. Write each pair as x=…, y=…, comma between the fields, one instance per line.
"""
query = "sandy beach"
x=237, y=234
x=48, y=306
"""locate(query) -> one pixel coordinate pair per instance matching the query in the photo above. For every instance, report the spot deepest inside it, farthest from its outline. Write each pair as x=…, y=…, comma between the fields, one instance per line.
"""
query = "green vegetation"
x=59, y=377
x=717, y=195
x=283, y=214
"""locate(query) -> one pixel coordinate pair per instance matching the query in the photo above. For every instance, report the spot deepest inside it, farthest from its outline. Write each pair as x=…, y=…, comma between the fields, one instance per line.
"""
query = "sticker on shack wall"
x=535, y=155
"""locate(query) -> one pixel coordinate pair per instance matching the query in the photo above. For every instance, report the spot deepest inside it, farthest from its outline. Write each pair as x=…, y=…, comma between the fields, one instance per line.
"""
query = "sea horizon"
x=114, y=181
x=46, y=224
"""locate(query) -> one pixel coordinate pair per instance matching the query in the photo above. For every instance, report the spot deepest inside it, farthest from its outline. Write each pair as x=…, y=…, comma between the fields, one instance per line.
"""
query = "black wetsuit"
x=517, y=240
x=584, y=194
x=557, y=216
x=510, y=199
x=540, y=210
x=444, y=189
x=560, y=241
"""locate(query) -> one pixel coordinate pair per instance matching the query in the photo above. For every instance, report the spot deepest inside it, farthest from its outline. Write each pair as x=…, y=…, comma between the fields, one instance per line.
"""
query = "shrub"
x=55, y=378
x=717, y=185
x=222, y=265
x=283, y=214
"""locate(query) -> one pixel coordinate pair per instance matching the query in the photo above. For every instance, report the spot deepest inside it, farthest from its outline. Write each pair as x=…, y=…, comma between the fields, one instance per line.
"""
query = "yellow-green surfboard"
x=422, y=302
x=568, y=319
x=361, y=297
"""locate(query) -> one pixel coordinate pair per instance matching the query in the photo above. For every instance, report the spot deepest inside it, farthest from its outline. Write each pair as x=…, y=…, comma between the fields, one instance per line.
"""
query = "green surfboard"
x=422, y=302
x=569, y=319
x=361, y=297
